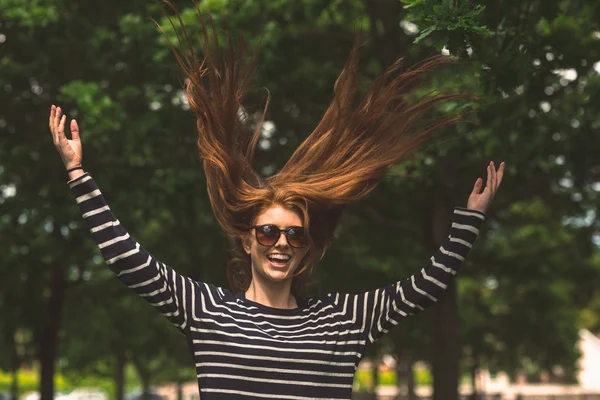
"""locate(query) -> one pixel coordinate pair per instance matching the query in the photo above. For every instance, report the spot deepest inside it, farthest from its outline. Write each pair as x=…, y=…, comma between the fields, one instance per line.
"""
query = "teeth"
x=281, y=257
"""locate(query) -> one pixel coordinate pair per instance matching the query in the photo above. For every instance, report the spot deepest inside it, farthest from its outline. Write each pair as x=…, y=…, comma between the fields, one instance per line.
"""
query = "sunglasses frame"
x=280, y=231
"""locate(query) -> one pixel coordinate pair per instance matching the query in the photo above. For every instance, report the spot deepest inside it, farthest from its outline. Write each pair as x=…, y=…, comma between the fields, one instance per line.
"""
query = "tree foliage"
x=534, y=270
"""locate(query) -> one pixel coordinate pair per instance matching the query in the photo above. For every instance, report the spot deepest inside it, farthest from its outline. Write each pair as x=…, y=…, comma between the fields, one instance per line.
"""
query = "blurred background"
x=522, y=320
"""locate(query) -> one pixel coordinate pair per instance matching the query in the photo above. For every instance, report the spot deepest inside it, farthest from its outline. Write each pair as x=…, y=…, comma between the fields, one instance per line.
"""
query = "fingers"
x=61, y=126
x=52, y=111
x=56, y=118
x=494, y=176
x=74, y=130
x=500, y=174
x=477, y=186
x=57, y=124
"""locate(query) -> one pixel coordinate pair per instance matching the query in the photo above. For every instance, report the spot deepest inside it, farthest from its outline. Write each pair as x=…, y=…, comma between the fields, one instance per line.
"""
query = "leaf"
x=424, y=33
x=411, y=3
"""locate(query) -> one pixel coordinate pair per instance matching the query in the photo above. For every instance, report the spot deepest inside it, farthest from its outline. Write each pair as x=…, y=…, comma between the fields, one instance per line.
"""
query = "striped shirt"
x=246, y=350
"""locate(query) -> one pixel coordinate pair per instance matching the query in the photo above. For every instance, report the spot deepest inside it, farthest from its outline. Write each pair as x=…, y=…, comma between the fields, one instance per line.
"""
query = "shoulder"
x=213, y=292
x=325, y=300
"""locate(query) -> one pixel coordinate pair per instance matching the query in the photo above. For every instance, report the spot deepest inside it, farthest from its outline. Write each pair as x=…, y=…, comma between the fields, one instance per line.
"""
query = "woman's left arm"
x=383, y=308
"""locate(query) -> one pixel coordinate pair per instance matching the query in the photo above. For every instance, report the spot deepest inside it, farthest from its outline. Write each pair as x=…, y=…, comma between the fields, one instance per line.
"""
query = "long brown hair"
x=340, y=162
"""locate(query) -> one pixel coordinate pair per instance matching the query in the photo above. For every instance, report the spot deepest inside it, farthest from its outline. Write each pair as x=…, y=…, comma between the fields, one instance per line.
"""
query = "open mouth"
x=279, y=260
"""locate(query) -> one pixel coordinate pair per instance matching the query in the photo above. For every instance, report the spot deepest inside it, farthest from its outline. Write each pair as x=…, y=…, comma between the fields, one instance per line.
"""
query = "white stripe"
x=272, y=381
x=173, y=285
x=317, y=303
x=469, y=213
x=322, y=342
x=432, y=279
x=88, y=196
x=274, y=337
x=104, y=226
x=146, y=282
x=236, y=321
x=271, y=396
x=278, y=359
x=114, y=240
x=383, y=311
x=96, y=211
x=372, y=324
x=260, y=320
x=156, y=292
x=452, y=254
x=255, y=311
x=442, y=266
x=282, y=349
x=463, y=242
x=465, y=227
x=278, y=370
x=237, y=304
x=422, y=292
x=134, y=269
x=405, y=301
x=354, y=309
x=124, y=255
x=162, y=303
x=230, y=313
x=398, y=311
x=388, y=317
x=79, y=182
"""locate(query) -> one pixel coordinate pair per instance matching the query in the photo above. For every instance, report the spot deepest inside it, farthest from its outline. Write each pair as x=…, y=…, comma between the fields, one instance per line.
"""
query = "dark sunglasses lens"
x=267, y=235
x=296, y=237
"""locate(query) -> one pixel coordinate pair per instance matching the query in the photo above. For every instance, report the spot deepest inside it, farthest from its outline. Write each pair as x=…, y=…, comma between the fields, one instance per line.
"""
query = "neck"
x=276, y=295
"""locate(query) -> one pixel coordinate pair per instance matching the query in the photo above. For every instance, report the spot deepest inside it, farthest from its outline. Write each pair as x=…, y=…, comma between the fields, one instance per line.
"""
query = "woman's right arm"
x=170, y=293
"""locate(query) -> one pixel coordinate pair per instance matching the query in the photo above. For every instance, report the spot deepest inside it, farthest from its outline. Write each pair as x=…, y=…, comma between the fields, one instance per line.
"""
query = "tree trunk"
x=14, y=384
x=410, y=376
x=405, y=365
x=474, y=370
x=14, y=359
x=389, y=40
x=179, y=390
x=474, y=382
x=48, y=338
x=375, y=371
x=145, y=387
x=144, y=376
x=446, y=348
x=121, y=361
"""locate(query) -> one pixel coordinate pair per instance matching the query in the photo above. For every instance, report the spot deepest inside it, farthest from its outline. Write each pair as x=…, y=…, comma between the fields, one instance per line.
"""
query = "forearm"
x=424, y=288
x=120, y=251
x=377, y=311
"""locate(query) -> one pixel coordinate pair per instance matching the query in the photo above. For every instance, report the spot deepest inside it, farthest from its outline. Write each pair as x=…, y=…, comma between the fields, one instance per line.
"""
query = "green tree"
x=532, y=64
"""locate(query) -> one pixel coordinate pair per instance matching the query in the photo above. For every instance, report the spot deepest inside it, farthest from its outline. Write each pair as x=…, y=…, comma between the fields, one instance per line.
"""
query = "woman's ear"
x=247, y=242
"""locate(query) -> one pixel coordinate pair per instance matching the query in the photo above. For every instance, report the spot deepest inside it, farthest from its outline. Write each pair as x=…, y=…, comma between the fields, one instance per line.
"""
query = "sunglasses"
x=269, y=234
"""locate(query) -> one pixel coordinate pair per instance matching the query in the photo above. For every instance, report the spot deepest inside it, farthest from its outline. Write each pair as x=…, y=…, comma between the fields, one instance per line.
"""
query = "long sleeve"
x=377, y=311
x=170, y=293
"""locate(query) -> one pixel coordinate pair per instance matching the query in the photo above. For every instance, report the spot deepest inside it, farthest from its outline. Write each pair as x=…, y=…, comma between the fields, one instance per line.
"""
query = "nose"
x=282, y=242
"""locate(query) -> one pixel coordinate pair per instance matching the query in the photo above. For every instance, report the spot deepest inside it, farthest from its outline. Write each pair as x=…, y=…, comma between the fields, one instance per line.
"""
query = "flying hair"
x=340, y=162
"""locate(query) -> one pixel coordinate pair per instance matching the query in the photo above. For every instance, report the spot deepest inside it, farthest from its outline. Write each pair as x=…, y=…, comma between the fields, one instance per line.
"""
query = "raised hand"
x=70, y=150
x=480, y=201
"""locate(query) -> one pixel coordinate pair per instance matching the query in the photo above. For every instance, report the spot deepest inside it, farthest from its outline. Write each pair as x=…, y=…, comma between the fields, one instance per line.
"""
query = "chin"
x=277, y=275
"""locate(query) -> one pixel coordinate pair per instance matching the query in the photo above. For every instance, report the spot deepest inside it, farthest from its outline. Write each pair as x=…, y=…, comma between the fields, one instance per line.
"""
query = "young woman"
x=265, y=339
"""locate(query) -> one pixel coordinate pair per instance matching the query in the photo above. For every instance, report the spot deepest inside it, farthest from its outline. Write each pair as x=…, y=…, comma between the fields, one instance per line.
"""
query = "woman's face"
x=276, y=262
